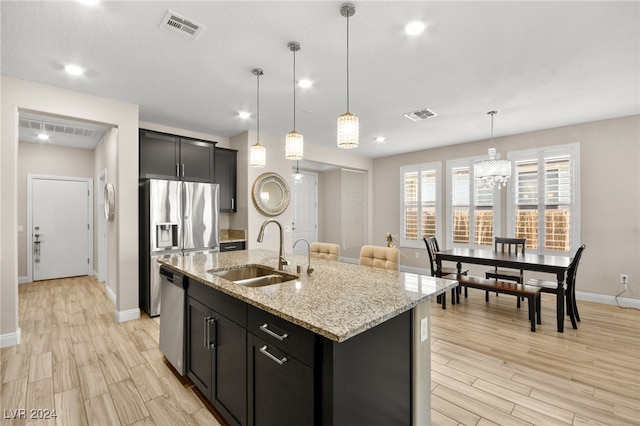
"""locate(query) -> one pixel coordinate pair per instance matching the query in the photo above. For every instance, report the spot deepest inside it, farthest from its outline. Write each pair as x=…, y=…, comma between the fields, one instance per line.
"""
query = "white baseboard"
x=131, y=314
x=609, y=300
x=23, y=280
x=110, y=294
x=10, y=339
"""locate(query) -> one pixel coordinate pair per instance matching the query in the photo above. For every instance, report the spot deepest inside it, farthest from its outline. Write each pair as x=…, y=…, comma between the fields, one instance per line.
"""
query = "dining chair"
x=508, y=246
x=379, y=257
x=447, y=271
x=328, y=251
x=570, y=286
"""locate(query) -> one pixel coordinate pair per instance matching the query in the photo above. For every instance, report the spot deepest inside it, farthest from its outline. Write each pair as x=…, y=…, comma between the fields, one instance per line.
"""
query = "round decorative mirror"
x=109, y=202
x=270, y=194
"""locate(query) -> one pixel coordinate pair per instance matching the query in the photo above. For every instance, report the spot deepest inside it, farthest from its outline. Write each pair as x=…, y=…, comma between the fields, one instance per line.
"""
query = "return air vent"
x=182, y=25
x=44, y=126
x=421, y=114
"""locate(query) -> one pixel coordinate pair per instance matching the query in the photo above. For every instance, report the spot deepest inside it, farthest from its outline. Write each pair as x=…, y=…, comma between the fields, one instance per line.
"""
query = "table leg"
x=443, y=297
x=560, y=303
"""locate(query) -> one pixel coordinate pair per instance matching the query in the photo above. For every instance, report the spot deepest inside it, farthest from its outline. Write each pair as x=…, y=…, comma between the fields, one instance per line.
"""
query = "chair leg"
x=532, y=313
x=538, y=308
x=443, y=300
x=486, y=296
x=518, y=303
x=575, y=306
x=570, y=311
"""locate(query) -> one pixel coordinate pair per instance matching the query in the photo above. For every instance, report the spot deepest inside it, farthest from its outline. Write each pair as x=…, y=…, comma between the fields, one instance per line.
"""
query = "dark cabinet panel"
x=199, y=365
x=196, y=160
x=281, y=388
x=159, y=156
x=237, y=245
x=226, y=164
x=230, y=369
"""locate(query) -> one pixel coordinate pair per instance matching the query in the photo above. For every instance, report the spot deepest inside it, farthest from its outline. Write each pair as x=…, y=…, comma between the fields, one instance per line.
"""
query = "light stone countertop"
x=338, y=301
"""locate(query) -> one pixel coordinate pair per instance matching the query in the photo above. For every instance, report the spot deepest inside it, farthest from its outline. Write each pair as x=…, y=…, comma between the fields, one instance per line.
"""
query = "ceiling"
x=540, y=64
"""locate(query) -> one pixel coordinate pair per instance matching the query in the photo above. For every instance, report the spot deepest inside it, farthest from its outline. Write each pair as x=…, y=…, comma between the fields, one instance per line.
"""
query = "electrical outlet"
x=624, y=279
x=424, y=329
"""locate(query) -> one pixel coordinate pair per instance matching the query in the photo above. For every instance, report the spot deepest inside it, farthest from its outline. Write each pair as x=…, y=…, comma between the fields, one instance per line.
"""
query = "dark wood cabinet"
x=233, y=246
x=164, y=156
x=281, y=388
x=226, y=165
x=216, y=348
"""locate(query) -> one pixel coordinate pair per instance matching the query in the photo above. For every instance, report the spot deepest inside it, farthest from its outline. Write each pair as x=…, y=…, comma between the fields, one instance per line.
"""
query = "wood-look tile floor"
x=487, y=367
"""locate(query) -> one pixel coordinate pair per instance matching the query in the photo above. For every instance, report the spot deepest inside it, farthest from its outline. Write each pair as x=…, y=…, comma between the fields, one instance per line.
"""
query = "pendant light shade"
x=294, y=141
x=297, y=174
x=257, y=152
x=348, y=126
x=492, y=172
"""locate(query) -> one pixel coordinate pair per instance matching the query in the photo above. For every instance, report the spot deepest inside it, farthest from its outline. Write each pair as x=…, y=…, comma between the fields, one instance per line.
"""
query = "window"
x=543, y=208
x=471, y=218
x=419, y=214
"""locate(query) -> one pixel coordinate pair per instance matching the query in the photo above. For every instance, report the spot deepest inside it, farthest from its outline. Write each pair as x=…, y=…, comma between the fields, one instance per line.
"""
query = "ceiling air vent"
x=56, y=128
x=421, y=114
x=182, y=25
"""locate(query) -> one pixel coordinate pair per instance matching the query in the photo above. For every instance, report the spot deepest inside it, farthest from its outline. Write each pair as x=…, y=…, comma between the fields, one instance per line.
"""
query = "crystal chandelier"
x=257, y=152
x=294, y=141
x=348, y=127
x=490, y=172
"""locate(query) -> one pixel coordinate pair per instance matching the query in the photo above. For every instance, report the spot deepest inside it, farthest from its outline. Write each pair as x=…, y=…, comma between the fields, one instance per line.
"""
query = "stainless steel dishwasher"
x=173, y=297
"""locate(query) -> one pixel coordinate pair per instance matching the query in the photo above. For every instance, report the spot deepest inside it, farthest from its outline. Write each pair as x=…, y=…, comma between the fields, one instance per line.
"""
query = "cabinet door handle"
x=265, y=327
x=205, y=333
x=212, y=342
x=233, y=203
x=177, y=169
x=280, y=361
x=182, y=169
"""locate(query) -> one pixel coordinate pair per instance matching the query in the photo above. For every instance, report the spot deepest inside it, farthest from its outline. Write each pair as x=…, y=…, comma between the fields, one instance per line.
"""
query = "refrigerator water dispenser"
x=166, y=235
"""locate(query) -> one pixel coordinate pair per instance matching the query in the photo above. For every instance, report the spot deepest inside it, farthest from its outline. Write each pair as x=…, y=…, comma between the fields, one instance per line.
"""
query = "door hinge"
x=87, y=260
x=88, y=193
x=88, y=226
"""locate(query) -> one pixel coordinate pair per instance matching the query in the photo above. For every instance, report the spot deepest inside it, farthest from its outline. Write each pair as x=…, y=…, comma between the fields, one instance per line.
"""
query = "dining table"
x=557, y=265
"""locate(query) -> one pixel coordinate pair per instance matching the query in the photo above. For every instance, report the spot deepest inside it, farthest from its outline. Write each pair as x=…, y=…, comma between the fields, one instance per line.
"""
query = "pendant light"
x=257, y=152
x=294, y=141
x=348, y=127
x=297, y=174
x=492, y=172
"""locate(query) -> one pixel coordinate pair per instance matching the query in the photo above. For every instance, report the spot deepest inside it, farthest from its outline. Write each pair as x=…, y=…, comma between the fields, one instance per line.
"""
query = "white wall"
x=610, y=196
x=20, y=95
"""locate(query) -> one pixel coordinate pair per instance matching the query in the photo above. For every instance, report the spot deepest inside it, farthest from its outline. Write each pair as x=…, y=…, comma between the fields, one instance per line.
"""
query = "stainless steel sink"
x=254, y=276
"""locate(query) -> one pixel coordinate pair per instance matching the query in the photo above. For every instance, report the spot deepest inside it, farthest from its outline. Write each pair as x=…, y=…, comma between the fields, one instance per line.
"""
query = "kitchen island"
x=347, y=345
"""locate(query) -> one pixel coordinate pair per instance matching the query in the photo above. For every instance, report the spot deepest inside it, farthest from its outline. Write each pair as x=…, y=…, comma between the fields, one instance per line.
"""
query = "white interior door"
x=60, y=227
x=305, y=210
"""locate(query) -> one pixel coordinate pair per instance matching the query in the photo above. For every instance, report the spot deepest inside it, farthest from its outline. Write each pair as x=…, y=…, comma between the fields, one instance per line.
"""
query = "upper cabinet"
x=164, y=156
x=226, y=165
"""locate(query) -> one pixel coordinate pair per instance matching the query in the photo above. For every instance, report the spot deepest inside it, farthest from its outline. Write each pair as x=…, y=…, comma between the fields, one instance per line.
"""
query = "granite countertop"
x=233, y=235
x=338, y=301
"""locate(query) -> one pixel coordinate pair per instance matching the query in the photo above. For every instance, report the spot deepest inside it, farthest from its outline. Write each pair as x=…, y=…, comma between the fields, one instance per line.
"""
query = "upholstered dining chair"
x=379, y=257
x=570, y=286
x=328, y=251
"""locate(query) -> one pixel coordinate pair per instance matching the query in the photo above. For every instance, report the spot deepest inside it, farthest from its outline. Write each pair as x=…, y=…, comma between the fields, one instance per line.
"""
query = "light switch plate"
x=20, y=228
x=424, y=329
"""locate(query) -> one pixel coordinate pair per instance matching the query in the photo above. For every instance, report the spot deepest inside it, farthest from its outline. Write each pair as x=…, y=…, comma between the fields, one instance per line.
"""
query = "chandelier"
x=257, y=152
x=294, y=141
x=492, y=172
x=348, y=127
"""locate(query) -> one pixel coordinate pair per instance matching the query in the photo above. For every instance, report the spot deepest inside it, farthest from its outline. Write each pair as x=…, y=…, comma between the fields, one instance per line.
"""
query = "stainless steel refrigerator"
x=175, y=218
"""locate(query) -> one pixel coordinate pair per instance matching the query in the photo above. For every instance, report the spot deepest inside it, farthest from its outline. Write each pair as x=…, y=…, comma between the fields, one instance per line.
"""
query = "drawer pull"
x=272, y=357
x=265, y=327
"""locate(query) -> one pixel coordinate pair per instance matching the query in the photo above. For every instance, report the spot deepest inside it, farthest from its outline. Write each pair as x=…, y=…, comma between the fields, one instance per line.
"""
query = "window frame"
x=539, y=155
x=497, y=203
x=419, y=168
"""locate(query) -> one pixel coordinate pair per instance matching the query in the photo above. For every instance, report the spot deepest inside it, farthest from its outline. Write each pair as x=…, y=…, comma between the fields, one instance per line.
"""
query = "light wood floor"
x=487, y=367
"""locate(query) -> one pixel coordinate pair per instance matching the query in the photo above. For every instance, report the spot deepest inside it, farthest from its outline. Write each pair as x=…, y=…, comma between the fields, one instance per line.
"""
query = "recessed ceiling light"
x=89, y=2
x=305, y=84
x=74, y=69
x=43, y=136
x=380, y=139
x=414, y=28
x=244, y=115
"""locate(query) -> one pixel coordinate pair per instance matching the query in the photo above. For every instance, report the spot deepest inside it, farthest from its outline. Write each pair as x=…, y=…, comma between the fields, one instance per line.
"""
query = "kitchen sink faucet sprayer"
x=309, y=268
x=282, y=262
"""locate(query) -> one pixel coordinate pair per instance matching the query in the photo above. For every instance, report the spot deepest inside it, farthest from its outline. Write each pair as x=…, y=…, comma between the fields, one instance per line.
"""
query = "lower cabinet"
x=216, y=348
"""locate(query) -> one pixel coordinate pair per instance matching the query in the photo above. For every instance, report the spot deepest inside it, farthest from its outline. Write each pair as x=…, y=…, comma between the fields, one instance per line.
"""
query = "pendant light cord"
x=258, y=104
x=347, y=62
x=294, y=90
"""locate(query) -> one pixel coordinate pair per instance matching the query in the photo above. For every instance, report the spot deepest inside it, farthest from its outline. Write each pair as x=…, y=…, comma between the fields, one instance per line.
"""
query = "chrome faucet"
x=282, y=262
x=309, y=268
